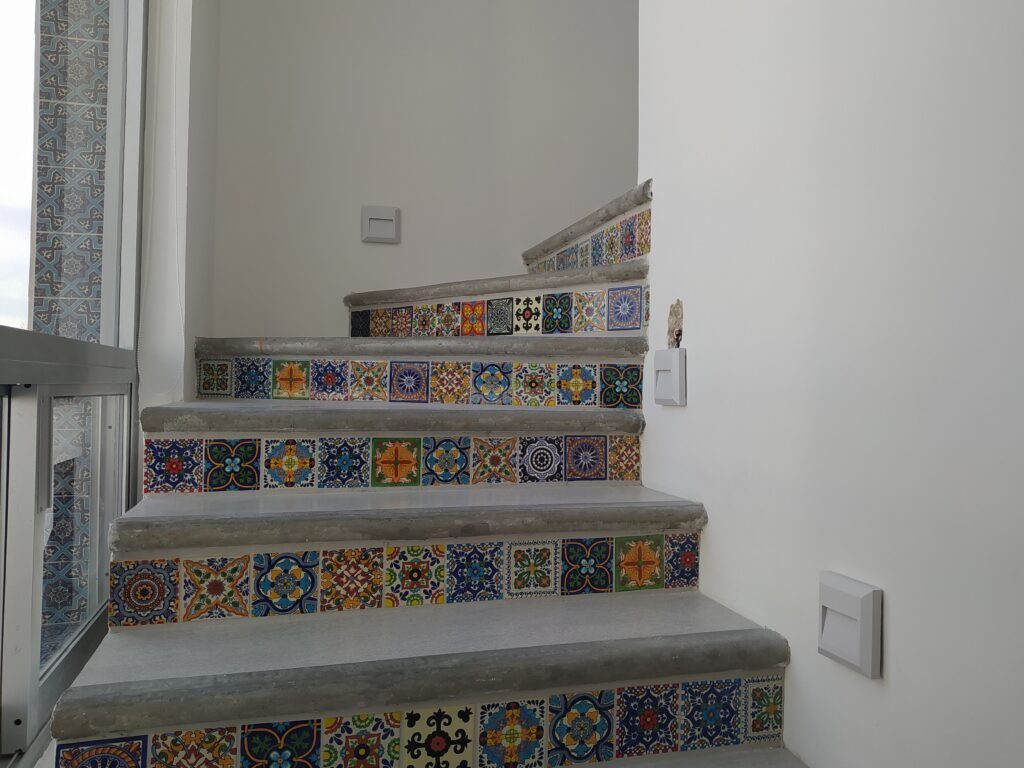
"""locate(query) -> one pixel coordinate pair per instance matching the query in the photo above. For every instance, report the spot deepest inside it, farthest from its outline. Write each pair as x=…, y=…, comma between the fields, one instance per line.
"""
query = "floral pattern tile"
x=415, y=575
x=491, y=384
x=215, y=588
x=764, y=709
x=215, y=378
x=638, y=562
x=625, y=308
x=439, y=738
x=380, y=322
x=511, y=735
x=647, y=720
x=533, y=384
x=362, y=741
x=395, y=462
x=532, y=568
x=612, y=246
x=352, y=578
x=450, y=382
x=424, y=320
x=121, y=752
x=624, y=458
x=475, y=572
x=474, y=318
x=232, y=465
x=401, y=321
x=252, y=377
x=284, y=583
x=577, y=385
x=567, y=258
x=527, y=314
x=586, y=457
x=143, y=592
x=627, y=238
x=368, y=380
x=449, y=318
x=588, y=311
x=289, y=463
x=410, y=382
x=710, y=713
x=446, y=460
x=173, y=466
x=343, y=462
x=643, y=232
x=328, y=379
x=291, y=380
x=580, y=728
x=200, y=748
x=682, y=560
x=500, y=317
x=495, y=460
x=291, y=744
x=557, y=313
x=541, y=459
x=622, y=386
x=587, y=566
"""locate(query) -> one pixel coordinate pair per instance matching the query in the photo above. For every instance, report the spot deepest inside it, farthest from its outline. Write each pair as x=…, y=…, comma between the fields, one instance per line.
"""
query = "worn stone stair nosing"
x=743, y=756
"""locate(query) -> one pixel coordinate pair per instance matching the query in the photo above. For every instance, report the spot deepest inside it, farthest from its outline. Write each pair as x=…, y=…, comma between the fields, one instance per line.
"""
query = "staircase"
x=425, y=545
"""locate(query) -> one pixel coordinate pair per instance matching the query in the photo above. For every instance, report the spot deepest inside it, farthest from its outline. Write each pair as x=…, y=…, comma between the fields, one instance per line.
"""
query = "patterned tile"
x=495, y=460
x=88, y=20
x=232, y=465
x=202, y=748
x=173, y=466
x=764, y=709
x=638, y=562
x=359, y=323
x=500, y=317
x=328, y=379
x=438, y=738
x=122, y=752
x=450, y=382
x=587, y=566
x=69, y=318
x=68, y=265
x=351, y=578
x=612, y=244
x=588, y=311
x=527, y=314
x=395, y=462
x=531, y=568
x=511, y=735
x=597, y=249
x=363, y=741
x=292, y=744
x=401, y=321
x=491, y=384
x=577, y=384
x=415, y=575
x=557, y=313
x=343, y=462
x=567, y=258
x=253, y=377
x=625, y=308
x=446, y=460
x=284, y=583
x=586, y=457
x=143, y=592
x=368, y=380
x=424, y=320
x=289, y=463
x=622, y=386
x=449, y=318
x=541, y=459
x=70, y=200
x=682, y=560
x=711, y=713
x=643, y=232
x=72, y=70
x=380, y=322
x=291, y=380
x=474, y=318
x=410, y=382
x=534, y=384
x=580, y=728
x=624, y=458
x=215, y=378
x=584, y=250
x=475, y=572
x=647, y=306
x=215, y=588
x=647, y=720
x=627, y=238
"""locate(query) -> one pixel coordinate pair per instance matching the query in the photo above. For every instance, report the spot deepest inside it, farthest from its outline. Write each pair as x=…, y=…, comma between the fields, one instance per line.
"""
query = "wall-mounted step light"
x=850, y=623
x=381, y=224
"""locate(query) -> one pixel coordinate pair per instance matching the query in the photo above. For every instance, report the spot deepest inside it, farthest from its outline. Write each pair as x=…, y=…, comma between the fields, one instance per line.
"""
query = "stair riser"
x=618, y=241
x=297, y=463
x=238, y=582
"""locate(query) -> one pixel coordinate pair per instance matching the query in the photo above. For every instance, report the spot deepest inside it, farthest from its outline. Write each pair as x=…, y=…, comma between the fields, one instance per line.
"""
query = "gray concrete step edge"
x=746, y=756
x=487, y=286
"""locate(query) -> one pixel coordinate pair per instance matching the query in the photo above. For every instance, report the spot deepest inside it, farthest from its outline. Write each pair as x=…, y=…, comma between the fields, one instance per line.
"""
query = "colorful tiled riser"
x=625, y=239
x=445, y=382
x=538, y=729
x=351, y=576
x=289, y=464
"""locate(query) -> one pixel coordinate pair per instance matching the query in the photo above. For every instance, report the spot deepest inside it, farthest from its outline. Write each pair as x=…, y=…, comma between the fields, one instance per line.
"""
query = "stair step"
x=178, y=521
x=741, y=757
x=262, y=671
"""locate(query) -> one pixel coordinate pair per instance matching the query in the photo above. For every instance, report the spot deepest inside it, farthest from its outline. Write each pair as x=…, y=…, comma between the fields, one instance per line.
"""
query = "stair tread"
x=225, y=670
x=225, y=519
x=741, y=757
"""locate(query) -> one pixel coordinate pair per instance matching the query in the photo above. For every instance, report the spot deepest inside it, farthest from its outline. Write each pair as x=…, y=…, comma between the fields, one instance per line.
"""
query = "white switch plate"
x=381, y=224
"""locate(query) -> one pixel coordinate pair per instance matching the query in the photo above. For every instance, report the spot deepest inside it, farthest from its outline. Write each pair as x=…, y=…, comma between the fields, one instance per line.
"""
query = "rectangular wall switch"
x=850, y=623
x=381, y=224
x=670, y=376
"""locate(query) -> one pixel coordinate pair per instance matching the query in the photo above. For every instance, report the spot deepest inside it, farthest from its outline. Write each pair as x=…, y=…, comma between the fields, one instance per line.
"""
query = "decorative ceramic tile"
x=627, y=238
x=359, y=323
x=638, y=562
x=583, y=248
x=577, y=385
x=450, y=382
x=424, y=320
x=343, y=462
x=173, y=466
x=511, y=735
x=495, y=460
x=647, y=720
x=410, y=382
x=449, y=318
x=368, y=379
x=284, y=582
x=215, y=378
x=682, y=560
x=586, y=457
x=72, y=70
x=643, y=232
x=215, y=588
x=143, y=592
x=557, y=313
x=625, y=308
x=328, y=379
x=597, y=249
x=624, y=458
x=380, y=322
x=540, y=459
x=764, y=709
x=647, y=306
x=232, y=465
x=622, y=386
x=474, y=318
x=580, y=728
x=289, y=463
x=122, y=752
x=587, y=566
x=415, y=575
x=438, y=738
x=69, y=200
x=711, y=713
x=588, y=311
x=500, y=317
x=83, y=19
x=291, y=380
x=446, y=460
x=475, y=572
x=202, y=748
x=534, y=384
x=351, y=578
x=527, y=314
x=492, y=384
x=68, y=265
x=294, y=744
x=362, y=741
x=401, y=321
x=612, y=244
x=70, y=318
x=567, y=258
x=252, y=377
x=395, y=462
x=531, y=568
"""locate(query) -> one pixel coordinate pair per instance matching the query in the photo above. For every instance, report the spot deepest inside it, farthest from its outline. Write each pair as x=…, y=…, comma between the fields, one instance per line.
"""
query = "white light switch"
x=850, y=623
x=381, y=224
x=670, y=376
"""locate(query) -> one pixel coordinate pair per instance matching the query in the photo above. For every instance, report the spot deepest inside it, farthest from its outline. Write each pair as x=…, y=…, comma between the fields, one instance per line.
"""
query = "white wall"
x=838, y=201
x=491, y=124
